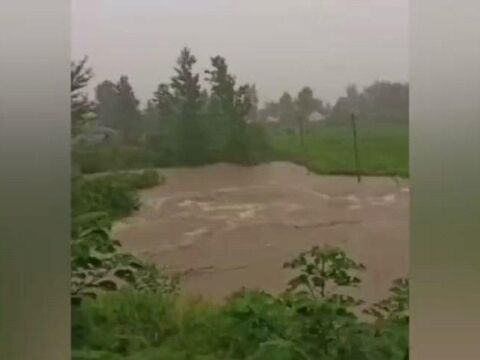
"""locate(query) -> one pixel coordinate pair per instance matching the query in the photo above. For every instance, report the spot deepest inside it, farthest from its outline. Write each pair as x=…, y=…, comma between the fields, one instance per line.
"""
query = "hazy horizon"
x=279, y=45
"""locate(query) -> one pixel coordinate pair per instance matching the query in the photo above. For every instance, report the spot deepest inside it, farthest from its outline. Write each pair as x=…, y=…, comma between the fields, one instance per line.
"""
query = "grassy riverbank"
x=328, y=150
x=383, y=151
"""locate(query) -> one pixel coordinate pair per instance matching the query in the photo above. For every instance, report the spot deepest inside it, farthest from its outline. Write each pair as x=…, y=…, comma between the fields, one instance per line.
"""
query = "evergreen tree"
x=163, y=121
x=117, y=108
x=222, y=85
x=128, y=113
x=190, y=135
x=382, y=101
x=270, y=108
x=80, y=75
x=306, y=103
x=164, y=102
x=106, y=96
x=252, y=115
x=234, y=105
x=151, y=116
x=286, y=108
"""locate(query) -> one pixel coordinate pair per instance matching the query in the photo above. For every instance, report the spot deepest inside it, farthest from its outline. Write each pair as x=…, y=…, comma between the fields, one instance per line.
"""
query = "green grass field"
x=383, y=149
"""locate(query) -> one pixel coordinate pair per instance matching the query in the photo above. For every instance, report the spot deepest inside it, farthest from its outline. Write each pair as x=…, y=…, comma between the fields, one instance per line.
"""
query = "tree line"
x=193, y=125
x=190, y=124
x=383, y=101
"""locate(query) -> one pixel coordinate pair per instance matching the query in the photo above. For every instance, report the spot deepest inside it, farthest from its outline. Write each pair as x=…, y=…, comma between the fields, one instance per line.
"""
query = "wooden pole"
x=301, y=131
x=355, y=149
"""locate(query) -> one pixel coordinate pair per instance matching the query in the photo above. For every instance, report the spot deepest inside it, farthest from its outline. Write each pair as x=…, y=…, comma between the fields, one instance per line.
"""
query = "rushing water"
x=226, y=226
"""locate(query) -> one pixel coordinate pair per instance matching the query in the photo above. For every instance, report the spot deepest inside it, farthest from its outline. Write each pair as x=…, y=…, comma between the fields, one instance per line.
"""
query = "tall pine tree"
x=80, y=75
x=163, y=124
x=117, y=108
x=234, y=105
x=191, y=137
x=106, y=96
x=306, y=102
x=128, y=113
x=286, y=109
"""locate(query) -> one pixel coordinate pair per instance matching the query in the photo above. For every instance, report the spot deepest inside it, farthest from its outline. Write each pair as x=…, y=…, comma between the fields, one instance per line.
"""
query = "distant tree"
x=164, y=102
x=352, y=92
x=222, y=85
x=382, y=101
x=151, y=115
x=270, y=109
x=306, y=102
x=354, y=99
x=235, y=104
x=106, y=95
x=128, y=113
x=117, y=107
x=80, y=75
x=327, y=108
x=243, y=103
x=252, y=115
x=162, y=127
x=204, y=97
x=286, y=109
x=387, y=99
x=186, y=84
x=341, y=110
x=319, y=106
x=191, y=137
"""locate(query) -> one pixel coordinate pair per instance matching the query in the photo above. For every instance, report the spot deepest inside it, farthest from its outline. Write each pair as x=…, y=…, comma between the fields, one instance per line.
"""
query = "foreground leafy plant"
x=253, y=318
x=250, y=325
x=323, y=271
x=395, y=307
x=97, y=263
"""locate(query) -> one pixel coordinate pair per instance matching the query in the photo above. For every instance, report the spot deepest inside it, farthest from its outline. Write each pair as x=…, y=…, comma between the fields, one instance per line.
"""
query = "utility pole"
x=301, y=131
x=355, y=149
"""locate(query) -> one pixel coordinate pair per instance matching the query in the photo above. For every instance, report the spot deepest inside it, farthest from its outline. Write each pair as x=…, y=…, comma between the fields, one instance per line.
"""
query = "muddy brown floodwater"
x=225, y=227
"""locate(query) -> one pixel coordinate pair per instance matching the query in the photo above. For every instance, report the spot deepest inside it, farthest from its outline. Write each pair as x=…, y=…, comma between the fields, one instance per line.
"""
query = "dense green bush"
x=97, y=263
x=110, y=194
x=113, y=193
x=143, y=180
x=251, y=324
x=106, y=157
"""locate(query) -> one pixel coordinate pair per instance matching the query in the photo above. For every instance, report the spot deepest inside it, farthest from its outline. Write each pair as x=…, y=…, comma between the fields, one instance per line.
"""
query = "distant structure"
x=272, y=119
x=316, y=117
x=94, y=134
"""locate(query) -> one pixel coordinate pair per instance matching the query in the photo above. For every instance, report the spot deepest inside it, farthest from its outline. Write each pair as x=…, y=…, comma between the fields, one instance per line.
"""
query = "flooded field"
x=225, y=226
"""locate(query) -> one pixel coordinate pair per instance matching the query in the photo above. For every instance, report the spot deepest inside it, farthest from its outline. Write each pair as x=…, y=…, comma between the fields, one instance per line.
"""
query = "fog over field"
x=279, y=45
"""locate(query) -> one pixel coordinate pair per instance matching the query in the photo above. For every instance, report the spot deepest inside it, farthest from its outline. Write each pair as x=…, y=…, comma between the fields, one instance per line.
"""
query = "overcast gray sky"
x=277, y=44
